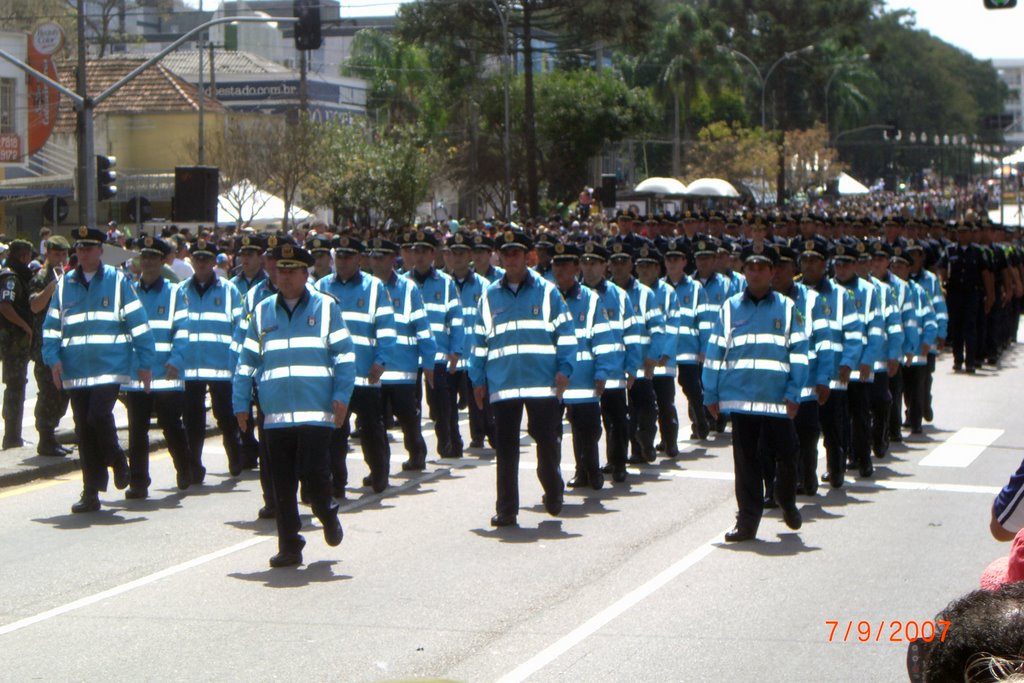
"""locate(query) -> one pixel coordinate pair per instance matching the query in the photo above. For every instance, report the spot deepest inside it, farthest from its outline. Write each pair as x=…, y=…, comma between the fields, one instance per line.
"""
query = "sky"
x=986, y=34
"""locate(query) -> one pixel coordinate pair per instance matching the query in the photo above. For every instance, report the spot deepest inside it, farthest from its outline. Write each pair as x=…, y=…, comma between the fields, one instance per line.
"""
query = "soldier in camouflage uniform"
x=16, y=337
x=51, y=403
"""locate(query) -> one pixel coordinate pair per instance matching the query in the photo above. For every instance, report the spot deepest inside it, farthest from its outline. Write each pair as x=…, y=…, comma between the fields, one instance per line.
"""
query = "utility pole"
x=86, y=145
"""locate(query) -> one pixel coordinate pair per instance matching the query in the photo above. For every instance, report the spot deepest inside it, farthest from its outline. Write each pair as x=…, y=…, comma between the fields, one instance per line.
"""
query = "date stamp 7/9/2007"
x=885, y=631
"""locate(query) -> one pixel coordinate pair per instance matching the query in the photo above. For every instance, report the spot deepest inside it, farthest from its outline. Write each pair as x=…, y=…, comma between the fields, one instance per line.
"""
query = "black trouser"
x=642, y=418
x=689, y=381
x=15, y=377
x=859, y=425
x=896, y=405
x=404, y=402
x=366, y=406
x=982, y=327
x=779, y=443
x=881, y=403
x=195, y=419
x=929, y=376
x=615, y=416
x=543, y=420
x=266, y=476
x=914, y=377
x=993, y=328
x=443, y=401
x=168, y=406
x=963, y=327
x=834, y=414
x=585, y=419
x=808, y=431
x=481, y=421
x=300, y=454
x=668, y=418
x=249, y=445
x=98, y=447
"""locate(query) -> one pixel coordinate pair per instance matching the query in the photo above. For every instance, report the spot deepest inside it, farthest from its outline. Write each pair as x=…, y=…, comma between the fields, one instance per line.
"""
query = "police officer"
x=964, y=288
x=755, y=370
x=214, y=312
x=167, y=311
x=94, y=331
x=524, y=357
x=320, y=248
x=248, y=252
x=444, y=312
x=367, y=313
x=414, y=350
x=15, y=337
x=600, y=354
x=483, y=248
x=471, y=287
x=297, y=348
x=618, y=310
x=51, y=402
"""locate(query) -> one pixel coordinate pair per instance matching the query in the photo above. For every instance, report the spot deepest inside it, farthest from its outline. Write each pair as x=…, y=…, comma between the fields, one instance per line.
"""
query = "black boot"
x=48, y=445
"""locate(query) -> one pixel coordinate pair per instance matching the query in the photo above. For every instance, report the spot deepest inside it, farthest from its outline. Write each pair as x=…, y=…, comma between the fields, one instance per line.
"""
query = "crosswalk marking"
x=963, y=448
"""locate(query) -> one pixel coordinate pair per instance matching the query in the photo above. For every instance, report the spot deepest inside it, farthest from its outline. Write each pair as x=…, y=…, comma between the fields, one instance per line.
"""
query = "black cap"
x=704, y=245
x=785, y=251
x=203, y=247
x=760, y=251
x=562, y=251
x=514, y=239
x=619, y=249
x=148, y=244
x=816, y=246
x=347, y=244
x=674, y=246
x=848, y=249
x=915, y=245
x=880, y=249
x=276, y=241
x=290, y=256
x=379, y=246
x=594, y=250
x=482, y=242
x=459, y=241
x=318, y=244
x=899, y=251
x=250, y=243
x=88, y=236
x=648, y=253
x=424, y=238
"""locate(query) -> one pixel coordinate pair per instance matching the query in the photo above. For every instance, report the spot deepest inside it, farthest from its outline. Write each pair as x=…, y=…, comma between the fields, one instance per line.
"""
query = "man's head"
x=152, y=252
x=759, y=259
x=57, y=249
x=20, y=251
x=620, y=262
x=677, y=255
x=347, y=256
x=382, y=254
x=458, y=254
x=566, y=265
x=786, y=269
x=513, y=246
x=320, y=248
x=204, y=258
x=292, y=265
x=89, y=247
x=483, y=246
x=424, y=251
x=648, y=264
x=594, y=263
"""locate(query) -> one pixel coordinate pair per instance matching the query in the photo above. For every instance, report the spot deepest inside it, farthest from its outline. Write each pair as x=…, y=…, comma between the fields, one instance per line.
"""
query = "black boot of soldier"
x=49, y=446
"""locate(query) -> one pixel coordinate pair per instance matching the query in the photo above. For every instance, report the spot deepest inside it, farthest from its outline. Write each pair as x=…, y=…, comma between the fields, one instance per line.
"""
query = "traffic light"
x=307, y=28
x=106, y=176
x=1000, y=4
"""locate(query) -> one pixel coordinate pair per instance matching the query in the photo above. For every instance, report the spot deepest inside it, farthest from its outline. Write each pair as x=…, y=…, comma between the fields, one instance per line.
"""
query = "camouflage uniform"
x=15, y=348
x=51, y=402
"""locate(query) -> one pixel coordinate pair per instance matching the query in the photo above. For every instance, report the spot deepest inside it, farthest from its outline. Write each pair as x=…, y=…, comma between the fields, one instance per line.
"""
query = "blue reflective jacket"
x=444, y=312
x=213, y=317
x=414, y=347
x=695, y=320
x=618, y=311
x=167, y=310
x=599, y=354
x=368, y=316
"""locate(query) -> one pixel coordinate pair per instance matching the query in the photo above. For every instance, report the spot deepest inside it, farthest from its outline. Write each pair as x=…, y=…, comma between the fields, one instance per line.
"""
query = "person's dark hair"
x=984, y=641
x=19, y=249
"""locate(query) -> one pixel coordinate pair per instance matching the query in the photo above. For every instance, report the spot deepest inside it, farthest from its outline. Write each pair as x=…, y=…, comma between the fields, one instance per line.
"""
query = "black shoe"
x=198, y=475
x=337, y=490
x=608, y=469
x=184, y=478
x=958, y=367
x=769, y=503
x=136, y=493
x=411, y=466
x=619, y=475
x=791, y=516
x=660, y=447
x=703, y=431
x=597, y=481
x=971, y=369
x=503, y=520
x=867, y=471
x=896, y=438
x=266, y=512
x=12, y=443
x=50, y=452
x=578, y=481
x=333, y=532
x=89, y=502
x=286, y=559
x=809, y=491
x=917, y=430
x=649, y=455
x=694, y=436
x=122, y=475
x=552, y=504
x=638, y=460
x=739, y=534
x=378, y=488
x=367, y=480
x=477, y=443
x=66, y=450
x=928, y=414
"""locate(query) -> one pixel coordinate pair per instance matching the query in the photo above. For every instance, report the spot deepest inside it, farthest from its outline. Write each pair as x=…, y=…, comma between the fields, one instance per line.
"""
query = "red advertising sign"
x=10, y=148
x=43, y=44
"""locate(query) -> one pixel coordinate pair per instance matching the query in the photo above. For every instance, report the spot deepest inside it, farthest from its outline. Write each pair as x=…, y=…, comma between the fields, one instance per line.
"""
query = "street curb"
x=50, y=467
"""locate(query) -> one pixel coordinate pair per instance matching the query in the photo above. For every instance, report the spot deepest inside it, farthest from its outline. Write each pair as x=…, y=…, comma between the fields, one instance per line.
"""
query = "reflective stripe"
x=94, y=339
x=574, y=394
x=209, y=337
x=615, y=384
x=753, y=407
x=83, y=382
x=207, y=373
x=757, y=364
x=515, y=349
x=363, y=382
x=516, y=325
x=526, y=392
x=90, y=316
x=396, y=376
x=293, y=343
x=686, y=357
x=209, y=316
x=163, y=347
x=745, y=339
x=602, y=349
x=300, y=416
x=296, y=371
x=156, y=385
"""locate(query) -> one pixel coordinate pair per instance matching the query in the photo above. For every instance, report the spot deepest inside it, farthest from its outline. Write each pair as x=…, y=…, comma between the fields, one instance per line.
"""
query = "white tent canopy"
x=848, y=185
x=661, y=186
x=246, y=204
x=1015, y=158
x=711, y=187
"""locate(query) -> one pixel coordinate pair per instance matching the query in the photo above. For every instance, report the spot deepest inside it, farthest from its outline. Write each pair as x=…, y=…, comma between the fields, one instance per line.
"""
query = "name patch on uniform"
x=105, y=302
x=536, y=310
x=160, y=310
x=686, y=300
x=778, y=324
x=361, y=302
x=311, y=320
x=860, y=304
x=9, y=284
x=216, y=301
x=583, y=317
x=718, y=297
x=828, y=310
x=437, y=296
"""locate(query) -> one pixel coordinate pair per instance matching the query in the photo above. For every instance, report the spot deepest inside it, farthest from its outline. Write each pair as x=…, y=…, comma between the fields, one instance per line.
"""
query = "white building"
x=1012, y=73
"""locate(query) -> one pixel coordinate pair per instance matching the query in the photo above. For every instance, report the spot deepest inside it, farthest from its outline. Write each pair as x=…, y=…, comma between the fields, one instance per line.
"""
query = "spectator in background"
x=1007, y=511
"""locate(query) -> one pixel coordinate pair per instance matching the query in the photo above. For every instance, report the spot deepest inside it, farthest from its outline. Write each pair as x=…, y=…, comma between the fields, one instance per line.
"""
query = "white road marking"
x=963, y=448
x=191, y=564
x=605, y=616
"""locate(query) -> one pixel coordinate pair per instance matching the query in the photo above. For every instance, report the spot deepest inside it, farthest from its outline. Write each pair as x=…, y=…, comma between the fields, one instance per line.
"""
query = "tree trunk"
x=530, y=134
x=676, y=157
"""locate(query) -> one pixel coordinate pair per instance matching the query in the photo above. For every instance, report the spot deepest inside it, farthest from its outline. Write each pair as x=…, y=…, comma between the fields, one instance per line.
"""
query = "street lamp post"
x=763, y=77
x=506, y=142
